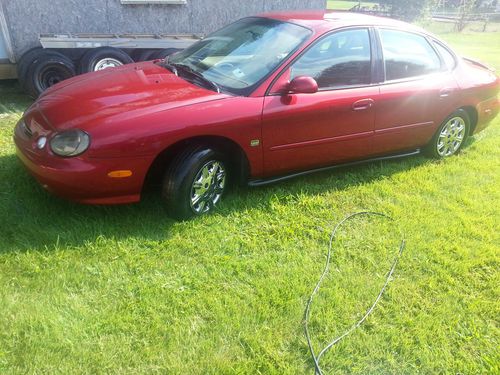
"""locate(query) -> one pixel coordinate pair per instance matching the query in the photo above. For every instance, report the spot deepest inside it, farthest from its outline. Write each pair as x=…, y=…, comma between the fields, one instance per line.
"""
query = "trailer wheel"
x=102, y=58
x=161, y=54
x=143, y=54
x=46, y=70
x=24, y=63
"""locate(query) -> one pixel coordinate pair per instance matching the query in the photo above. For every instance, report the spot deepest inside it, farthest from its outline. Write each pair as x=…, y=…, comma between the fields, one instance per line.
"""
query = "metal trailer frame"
x=89, y=41
x=125, y=41
x=7, y=67
x=21, y=27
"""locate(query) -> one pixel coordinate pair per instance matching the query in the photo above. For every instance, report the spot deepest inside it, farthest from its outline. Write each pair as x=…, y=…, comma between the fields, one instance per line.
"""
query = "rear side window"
x=338, y=60
x=448, y=58
x=407, y=55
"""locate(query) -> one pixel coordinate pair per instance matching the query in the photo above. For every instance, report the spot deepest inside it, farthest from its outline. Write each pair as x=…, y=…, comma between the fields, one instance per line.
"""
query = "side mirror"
x=302, y=85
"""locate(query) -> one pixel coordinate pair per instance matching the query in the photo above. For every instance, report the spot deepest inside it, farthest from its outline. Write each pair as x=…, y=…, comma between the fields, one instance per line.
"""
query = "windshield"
x=239, y=56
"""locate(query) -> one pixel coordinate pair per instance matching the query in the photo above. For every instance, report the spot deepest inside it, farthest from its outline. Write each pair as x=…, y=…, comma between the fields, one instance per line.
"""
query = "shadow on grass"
x=31, y=218
x=12, y=99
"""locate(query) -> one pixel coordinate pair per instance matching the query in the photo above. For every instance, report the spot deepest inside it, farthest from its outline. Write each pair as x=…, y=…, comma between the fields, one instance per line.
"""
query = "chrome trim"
x=24, y=127
x=321, y=141
x=106, y=63
x=451, y=137
x=208, y=187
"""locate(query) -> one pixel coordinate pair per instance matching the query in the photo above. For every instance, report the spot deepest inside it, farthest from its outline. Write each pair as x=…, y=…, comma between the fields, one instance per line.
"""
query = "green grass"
x=126, y=290
x=345, y=4
x=472, y=28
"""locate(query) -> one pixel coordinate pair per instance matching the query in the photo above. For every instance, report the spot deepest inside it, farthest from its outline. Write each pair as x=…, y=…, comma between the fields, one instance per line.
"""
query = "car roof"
x=324, y=20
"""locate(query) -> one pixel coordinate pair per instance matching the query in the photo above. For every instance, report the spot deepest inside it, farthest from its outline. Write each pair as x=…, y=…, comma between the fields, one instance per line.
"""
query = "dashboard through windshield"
x=239, y=56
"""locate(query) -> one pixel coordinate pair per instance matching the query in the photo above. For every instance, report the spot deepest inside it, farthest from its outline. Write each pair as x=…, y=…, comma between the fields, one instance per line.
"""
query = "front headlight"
x=70, y=143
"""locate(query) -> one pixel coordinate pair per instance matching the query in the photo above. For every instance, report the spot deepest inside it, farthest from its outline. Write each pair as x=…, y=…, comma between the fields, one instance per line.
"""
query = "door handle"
x=446, y=92
x=362, y=104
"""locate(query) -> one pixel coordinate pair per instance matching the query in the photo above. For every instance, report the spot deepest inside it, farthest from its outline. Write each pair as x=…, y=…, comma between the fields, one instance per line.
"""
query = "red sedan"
x=262, y=99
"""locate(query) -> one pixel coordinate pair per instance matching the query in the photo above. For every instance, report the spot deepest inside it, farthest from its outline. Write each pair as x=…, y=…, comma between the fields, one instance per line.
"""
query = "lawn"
x=346, y=4
x=126, y=290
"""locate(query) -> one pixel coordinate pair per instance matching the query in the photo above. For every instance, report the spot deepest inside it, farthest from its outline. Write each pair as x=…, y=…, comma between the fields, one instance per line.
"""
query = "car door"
x=303, y=131
x=418, y=93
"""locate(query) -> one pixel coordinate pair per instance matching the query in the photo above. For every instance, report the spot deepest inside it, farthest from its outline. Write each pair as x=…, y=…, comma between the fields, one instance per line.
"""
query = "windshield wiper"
x=168, y=66
x=188, y=69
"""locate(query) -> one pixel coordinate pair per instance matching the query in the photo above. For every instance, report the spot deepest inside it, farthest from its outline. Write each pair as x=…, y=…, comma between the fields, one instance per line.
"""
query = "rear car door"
x=304, y=131
x=418, y=93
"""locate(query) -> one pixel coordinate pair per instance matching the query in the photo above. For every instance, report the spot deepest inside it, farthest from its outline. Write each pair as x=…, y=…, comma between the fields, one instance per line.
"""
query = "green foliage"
x=408, y=10
x=476, y=4
x=125, y=290
x=348, y=4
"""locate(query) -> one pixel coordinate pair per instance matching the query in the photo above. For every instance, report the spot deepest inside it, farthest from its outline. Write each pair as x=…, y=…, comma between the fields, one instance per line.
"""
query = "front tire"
x=195, y=182
x=450, y=136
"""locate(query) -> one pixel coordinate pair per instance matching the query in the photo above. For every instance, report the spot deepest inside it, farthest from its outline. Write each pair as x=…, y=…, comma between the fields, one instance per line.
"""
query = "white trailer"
x=61, y=56
x=41, y=42
x=7, y=58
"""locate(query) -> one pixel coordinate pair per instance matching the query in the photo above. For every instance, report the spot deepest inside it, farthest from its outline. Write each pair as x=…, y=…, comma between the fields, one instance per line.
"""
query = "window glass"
x=240, y=55
x=341, y=59
x=407, y=55
x=448, y=58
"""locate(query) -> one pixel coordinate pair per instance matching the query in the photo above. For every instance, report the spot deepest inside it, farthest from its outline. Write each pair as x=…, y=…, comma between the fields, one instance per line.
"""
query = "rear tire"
x=450, y=136
x=195, y=182
x=140, y=55
x=48, y=69
x=103, y=58
x=162, y=54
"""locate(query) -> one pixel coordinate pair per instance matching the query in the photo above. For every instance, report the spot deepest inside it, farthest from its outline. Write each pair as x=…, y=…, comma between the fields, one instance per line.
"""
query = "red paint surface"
x=135, y=112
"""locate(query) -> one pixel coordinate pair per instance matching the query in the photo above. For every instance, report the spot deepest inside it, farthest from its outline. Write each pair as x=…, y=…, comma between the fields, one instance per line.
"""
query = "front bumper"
x=82, y=179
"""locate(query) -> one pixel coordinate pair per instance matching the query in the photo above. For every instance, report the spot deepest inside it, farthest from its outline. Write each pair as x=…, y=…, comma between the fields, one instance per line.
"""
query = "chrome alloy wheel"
x=208, y=186
x=107, y=63
x=451, y=137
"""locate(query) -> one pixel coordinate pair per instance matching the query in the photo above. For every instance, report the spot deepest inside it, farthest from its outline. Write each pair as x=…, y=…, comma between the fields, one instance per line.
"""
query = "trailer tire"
x=143, y=54
x=24, y=63
x=102, y=58
x=163, y=53
x=47, y=69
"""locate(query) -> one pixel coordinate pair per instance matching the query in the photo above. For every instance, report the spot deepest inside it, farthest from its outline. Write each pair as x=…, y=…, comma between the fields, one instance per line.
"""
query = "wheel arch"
x=239, y=165
x=473, y=117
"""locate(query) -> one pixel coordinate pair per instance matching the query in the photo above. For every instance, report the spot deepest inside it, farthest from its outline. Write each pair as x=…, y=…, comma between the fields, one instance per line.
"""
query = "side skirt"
x=273, y=180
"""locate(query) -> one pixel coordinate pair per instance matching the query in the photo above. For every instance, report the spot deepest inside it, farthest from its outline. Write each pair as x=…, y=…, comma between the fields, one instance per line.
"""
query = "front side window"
x=240, y=55
x=338, y=60
x=407, y=55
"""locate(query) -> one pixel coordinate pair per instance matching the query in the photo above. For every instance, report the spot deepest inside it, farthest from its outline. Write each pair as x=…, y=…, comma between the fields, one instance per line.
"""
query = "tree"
x=408, y=10
x=465, y=9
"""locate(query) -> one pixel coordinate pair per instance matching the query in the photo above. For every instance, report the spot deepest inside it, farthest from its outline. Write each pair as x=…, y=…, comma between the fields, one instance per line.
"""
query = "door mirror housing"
x=302, y=85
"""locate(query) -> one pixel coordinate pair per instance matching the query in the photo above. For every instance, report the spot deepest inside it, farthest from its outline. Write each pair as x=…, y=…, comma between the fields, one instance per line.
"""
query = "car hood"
x=136, y=90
